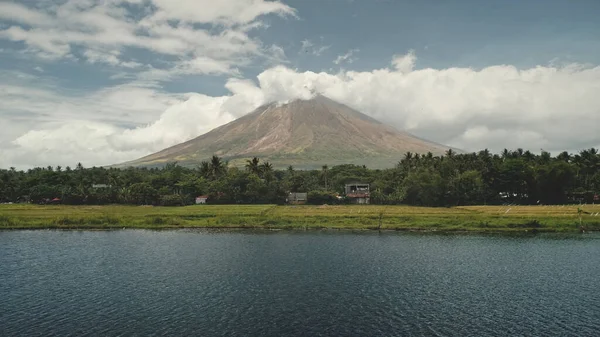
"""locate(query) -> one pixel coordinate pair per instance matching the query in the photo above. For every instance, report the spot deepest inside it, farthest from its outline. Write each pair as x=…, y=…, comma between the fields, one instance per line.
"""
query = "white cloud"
x=57, y=146
x=223, y=11
x=195, y=116
x=276, y=54
x=554, y=108
x=130, y=64
x=94, y=56
x=404, y=63
x=47, y=123
x=122, y=104
x=306, y=44
x=310, y=48
x=98, y=142
x=14, y=12
x=104, y=28
x=46, y=44
x=205, y=65
x=495, y=107
x=346, y=57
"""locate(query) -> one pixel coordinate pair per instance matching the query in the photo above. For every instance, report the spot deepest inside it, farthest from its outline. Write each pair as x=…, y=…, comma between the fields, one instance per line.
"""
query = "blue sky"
x=120, y=77
x=461, y=33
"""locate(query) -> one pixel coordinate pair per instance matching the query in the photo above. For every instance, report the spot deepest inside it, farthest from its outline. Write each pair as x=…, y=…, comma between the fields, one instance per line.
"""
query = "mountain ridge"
x=303, y=133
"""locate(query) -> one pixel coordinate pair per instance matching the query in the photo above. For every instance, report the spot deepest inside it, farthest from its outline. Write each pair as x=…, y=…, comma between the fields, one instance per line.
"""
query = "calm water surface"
x=311, y=284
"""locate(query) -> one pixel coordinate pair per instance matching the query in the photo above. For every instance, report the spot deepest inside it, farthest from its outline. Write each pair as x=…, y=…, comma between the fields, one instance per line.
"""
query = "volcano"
x=306, y=134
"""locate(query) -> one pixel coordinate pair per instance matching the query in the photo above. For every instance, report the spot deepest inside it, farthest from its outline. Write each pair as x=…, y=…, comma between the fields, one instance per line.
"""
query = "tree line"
x=511, y=177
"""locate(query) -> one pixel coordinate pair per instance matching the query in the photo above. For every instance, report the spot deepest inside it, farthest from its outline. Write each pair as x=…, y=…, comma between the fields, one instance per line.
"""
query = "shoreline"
x=455, y=230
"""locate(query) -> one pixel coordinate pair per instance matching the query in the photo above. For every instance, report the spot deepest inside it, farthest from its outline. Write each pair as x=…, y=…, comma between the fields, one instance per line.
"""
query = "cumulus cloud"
x=404, y=63
x=554, y=108
x=90, y=141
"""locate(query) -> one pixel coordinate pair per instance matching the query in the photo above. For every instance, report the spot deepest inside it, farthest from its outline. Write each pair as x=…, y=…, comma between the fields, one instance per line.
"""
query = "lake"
x=326, y=283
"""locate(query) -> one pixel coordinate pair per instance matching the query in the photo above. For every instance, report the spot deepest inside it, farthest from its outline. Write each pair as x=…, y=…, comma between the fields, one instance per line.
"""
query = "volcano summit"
x=304, y=133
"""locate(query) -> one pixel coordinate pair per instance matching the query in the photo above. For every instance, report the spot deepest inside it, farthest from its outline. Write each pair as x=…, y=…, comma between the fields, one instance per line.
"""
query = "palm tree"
x=519, y=152
x=564, y=156
x=406, y=162
x=253, y=166
x=267, y=170
x=588, y=162
x=325, y=170
x=528, y=155
x=124, y=195
x=204, y=169
x=171, y=166
x=217, y=167
x=545, y=157
x=266, y=167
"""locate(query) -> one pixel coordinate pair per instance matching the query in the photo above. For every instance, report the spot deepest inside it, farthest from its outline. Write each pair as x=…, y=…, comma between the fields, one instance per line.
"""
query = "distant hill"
x=303, y=133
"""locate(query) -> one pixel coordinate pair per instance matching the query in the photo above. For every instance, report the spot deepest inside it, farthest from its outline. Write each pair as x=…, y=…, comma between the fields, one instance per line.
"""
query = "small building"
x=54, y=201
x=296, y=198
x=95, y=186
x=358, y=193
x=201, y=199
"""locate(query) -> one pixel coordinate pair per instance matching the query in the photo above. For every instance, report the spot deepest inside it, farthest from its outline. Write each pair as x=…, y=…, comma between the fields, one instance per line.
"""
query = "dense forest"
x=512, y=177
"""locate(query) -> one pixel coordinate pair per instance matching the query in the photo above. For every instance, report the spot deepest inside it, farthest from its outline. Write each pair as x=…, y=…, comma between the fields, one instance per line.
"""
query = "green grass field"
x=472, y=218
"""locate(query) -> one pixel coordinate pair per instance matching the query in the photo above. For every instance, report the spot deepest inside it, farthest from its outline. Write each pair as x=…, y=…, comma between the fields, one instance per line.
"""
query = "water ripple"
x=143, y=283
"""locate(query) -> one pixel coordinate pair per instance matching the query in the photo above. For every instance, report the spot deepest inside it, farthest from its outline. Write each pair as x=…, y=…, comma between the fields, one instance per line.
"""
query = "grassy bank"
x=472, y=218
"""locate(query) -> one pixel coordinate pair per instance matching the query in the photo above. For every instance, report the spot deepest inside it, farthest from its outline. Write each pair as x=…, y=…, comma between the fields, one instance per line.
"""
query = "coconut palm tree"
x=217, y=167
x=325, y=171
x=253, y=166
x=267, y=170
x=266, y=167
x=204, y=169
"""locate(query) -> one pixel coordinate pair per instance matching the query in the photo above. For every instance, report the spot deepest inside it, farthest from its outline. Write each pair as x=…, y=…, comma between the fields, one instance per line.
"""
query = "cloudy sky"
x=105, y=81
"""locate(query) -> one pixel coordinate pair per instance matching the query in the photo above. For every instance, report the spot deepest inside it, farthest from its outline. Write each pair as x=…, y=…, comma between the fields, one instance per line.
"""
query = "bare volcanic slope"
x=302, y=133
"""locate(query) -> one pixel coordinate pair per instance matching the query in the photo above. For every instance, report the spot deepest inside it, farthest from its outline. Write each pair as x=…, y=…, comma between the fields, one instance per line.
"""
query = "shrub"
x=172, y=200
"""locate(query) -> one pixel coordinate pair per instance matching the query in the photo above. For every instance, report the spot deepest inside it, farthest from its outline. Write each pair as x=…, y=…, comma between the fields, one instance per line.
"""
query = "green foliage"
x=321, y=198
x=423, y=188
x=465, y=188
x=512, y=177
x=144, y=194
x=172, y=200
